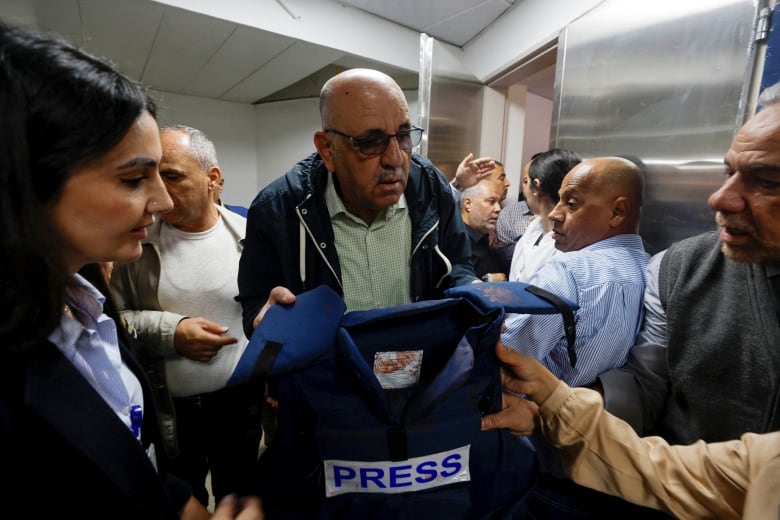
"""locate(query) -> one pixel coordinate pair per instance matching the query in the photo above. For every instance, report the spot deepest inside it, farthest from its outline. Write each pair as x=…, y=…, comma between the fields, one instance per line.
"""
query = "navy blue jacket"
x=290, y=214
x=65, y=450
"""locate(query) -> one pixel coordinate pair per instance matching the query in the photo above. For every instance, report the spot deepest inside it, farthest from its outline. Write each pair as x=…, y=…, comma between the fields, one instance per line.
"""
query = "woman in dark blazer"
x=79, y=185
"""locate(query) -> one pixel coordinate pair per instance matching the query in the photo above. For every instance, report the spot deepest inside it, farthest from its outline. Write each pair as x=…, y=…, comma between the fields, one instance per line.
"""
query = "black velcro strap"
x=266, y=358
x=396, y=444
x=568, y=318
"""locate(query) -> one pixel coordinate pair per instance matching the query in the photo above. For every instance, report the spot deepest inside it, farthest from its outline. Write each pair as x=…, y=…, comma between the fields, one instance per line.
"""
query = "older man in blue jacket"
x=364, y=215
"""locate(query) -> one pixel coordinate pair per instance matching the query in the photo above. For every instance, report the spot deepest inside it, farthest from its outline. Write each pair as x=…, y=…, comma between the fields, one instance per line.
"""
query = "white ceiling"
x=452, y=21
x=181, y=51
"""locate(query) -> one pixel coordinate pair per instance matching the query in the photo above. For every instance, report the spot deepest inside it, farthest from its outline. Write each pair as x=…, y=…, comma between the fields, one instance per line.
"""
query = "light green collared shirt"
x=375, y=259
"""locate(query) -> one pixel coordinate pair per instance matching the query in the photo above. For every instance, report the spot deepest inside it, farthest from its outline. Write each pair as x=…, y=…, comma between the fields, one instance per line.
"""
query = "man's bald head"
x=619, y=177
x=355, y=88
x=600, y=198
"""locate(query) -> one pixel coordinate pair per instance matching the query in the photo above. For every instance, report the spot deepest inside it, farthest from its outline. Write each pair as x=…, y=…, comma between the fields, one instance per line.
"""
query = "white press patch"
x=429, y=471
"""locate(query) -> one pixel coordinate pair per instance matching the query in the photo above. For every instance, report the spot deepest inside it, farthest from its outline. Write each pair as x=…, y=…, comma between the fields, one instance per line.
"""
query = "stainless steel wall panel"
x=666, y=84
x=454, y=123
x=450, y=109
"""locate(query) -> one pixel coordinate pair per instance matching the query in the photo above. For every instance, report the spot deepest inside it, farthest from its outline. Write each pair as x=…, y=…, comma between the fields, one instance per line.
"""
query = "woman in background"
x=541, y=181
x=79, y=185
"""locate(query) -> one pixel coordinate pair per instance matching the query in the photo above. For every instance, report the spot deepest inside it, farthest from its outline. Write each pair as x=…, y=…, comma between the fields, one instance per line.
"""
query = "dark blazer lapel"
x=69, y=404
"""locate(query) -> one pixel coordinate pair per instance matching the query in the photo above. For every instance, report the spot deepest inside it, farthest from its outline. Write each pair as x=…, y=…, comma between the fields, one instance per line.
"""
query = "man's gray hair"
x=769, y=96
x=201, y=146
x=472, y=192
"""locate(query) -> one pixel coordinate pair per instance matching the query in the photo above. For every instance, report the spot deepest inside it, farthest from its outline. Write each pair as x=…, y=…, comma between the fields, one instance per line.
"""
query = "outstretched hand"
x=234, y=508
x=517, y=415
x=278, y=294
x=230, y=507
x=470, y=171
x=200, y=339
x=524, y=375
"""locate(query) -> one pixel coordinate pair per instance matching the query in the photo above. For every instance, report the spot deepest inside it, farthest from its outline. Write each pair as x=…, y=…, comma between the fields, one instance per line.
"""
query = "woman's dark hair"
x=550, y=167
x=61, y=108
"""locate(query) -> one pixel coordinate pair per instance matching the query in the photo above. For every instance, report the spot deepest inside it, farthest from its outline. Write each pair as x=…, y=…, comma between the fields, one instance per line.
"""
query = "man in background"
x=599, y=265
x=706, y=363
x=513, y=219
x=241, y=210
x=498, y=175
x=479, y=210
x=179, y=299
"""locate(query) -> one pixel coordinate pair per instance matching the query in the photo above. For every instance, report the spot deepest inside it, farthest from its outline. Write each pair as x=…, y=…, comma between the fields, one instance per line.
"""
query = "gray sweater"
x=723, y=350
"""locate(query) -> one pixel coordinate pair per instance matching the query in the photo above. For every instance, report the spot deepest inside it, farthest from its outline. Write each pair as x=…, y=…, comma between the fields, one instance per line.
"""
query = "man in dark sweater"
x=707, y=363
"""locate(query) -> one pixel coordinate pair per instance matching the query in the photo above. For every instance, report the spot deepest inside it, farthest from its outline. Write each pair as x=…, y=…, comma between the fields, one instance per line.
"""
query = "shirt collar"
x=475, y=235
x=627, y=240
x=83, y=296
x=86, y=297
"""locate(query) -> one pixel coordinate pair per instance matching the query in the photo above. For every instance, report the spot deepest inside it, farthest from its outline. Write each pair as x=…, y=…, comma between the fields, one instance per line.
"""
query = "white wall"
x=538, y=118
x=491, y=141
x=515, y=121
x=285, y=135
x=516, y=125
x=528, y=120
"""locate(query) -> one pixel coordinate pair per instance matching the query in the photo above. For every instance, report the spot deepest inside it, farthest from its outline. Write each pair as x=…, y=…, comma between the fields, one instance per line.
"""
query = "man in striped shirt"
x=600, y=266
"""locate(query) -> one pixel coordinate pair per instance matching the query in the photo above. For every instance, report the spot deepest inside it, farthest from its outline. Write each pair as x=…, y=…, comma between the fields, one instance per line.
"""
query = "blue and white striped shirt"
x=607, y=281
x=93, y=348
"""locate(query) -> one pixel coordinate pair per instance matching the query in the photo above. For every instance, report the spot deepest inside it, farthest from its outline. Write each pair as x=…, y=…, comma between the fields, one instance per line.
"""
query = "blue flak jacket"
x=380, y=411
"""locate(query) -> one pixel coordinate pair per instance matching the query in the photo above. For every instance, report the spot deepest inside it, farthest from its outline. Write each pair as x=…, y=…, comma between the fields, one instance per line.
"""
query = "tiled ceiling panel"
x=123, y=32
x=177, y=50
x=185, y=43
x=245, y=52
x=277, y=73
x=452, y=21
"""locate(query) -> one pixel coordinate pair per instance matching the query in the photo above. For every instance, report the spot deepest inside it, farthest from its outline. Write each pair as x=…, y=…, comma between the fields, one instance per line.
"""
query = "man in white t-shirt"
x=179, y=298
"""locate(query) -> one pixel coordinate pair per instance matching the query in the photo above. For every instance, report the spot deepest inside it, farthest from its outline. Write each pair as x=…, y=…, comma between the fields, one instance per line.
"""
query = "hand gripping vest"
x=380, y=411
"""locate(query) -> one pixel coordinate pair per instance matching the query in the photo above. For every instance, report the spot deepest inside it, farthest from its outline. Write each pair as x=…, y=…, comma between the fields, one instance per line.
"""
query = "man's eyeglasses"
x=375, y=143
